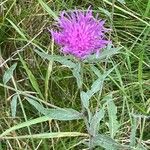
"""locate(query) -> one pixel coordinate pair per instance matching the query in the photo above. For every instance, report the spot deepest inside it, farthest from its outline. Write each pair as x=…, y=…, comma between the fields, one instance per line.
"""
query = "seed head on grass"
x=80, y=34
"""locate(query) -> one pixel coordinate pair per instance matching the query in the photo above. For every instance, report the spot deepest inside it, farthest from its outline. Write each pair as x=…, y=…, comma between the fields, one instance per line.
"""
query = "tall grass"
x=25, y=76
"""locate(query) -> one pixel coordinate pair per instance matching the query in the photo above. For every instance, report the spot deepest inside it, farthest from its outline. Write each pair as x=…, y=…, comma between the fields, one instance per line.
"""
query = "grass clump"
x=24, y=30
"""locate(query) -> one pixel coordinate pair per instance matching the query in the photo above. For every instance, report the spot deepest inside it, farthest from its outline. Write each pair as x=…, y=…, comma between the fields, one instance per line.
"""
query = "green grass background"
x=24, y=28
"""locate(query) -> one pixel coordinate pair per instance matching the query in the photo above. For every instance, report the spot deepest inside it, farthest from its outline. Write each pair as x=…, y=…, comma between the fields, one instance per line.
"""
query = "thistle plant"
x=82, y=35
x=81, y=38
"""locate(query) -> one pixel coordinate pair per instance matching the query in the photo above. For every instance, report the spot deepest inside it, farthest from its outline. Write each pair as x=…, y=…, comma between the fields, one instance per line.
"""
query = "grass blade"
x=25, y=124
x=47, y=8
x=50, y=135
x=17, y=29
x=31, y=78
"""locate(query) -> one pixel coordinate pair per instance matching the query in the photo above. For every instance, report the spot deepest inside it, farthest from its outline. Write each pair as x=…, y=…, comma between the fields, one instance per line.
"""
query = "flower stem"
x=84, y=112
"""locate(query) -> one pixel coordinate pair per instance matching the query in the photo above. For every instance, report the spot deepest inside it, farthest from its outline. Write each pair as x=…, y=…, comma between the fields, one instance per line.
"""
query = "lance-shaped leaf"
x=108, y=143
x=85, y=99
x=95, y=121
x=112, y=114
x=14, y=105
x=77, y=74
x=24, y=124
x=9, y=73
x=107, y=53
x=58, y=114
x=98, y=84
x=133, y=132
x=61, y=59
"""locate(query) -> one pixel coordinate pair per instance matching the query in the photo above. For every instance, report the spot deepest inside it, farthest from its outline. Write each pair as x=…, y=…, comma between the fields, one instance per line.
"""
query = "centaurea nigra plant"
x=80, y=34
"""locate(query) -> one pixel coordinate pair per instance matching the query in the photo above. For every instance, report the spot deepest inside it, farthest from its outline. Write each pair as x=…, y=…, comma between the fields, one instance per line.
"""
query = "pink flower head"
x=80, y=34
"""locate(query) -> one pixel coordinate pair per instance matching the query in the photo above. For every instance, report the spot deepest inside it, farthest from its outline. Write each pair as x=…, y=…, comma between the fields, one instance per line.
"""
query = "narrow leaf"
x=17, y=29
x=133, y=132
x=95, y=121
x=106, y=53
x=85, y=102
x=31, y=77
x=112, y=113
x=9, y=73
x=47, y=78
x=85, y=99
x=107, y=143
x=48, y=73
x=49, y=135
x=58, y=114
x=109, y=52
x=61, y=59
x=77, y=74
x=25, y=124
x=14, y=105
x=96, y=71
x=47, y=8
x=98, y=84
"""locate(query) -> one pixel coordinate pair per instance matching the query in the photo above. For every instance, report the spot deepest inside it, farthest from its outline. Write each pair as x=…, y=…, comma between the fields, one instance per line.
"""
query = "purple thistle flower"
x=80, y=34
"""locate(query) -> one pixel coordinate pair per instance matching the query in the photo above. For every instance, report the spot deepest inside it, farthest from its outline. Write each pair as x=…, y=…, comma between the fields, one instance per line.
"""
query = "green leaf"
x=31, y=77
x=13, y=105
x=9, y=73
x=98, y=84
x=61, y=59
x=47, y=8
x=85, y=99
x=96, y=71
x=17, y=29
x=106, y=53
x=85, y=102
x=48, y=135
x=133, y=132
x=77, y=74
x=25, y=124
x=107, y=143
x=58, y=114
x=122, y=1
x=95, y=121
x=105, y=11
x=112, y=114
